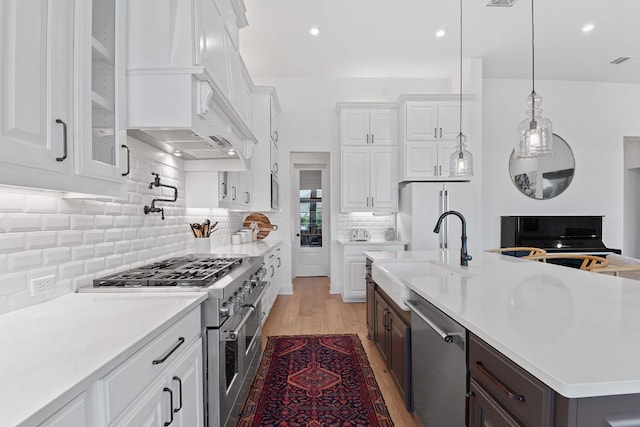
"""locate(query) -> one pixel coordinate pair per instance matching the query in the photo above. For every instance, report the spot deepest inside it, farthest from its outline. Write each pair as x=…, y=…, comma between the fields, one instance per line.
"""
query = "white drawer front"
x=123, y=385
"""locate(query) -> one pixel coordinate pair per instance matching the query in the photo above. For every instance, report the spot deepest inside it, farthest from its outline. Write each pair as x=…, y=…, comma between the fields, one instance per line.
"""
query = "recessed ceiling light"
x=588, y=28
x=440, y=33
x=314, y=31
x=177, y=153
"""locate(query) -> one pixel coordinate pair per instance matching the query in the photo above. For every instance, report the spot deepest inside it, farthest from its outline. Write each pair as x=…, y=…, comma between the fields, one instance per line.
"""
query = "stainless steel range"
x=231, y=318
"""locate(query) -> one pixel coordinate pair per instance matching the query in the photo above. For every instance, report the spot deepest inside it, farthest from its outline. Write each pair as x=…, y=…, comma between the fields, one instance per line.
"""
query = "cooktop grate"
x=189, y=270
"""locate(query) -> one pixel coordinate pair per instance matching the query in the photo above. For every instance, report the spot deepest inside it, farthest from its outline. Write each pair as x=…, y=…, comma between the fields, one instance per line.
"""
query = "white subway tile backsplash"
x=56, y=222
x=94, y=265
x=82, y=252
x=113, y=261
x=122, y=246
x=112, y=208
x=69, y=237
x=25, y=260
x=42, y=204
x=82, y=281
x=13, y=282
x=129, y=233
x=22, y=222
x=12, y=242
x=112, y=235
x=57, y=256
x=71, y=269
x=41, y=239
x=78, y=240
x=92, y=207
x=103, y=249
x=121, y=221
x=12, y=203
x=92, y=236
x=103, y=221
x=82, y=222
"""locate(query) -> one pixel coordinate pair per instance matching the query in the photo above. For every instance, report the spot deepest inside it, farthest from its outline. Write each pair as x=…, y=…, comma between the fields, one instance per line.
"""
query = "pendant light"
x=461, y=161
x=535, y=133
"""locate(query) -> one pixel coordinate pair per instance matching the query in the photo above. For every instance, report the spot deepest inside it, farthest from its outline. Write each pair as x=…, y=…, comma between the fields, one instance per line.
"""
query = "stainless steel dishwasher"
x=439, y=374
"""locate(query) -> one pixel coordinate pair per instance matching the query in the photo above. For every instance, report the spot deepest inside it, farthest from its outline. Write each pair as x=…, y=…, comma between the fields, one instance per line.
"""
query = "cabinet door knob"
x=64, y=140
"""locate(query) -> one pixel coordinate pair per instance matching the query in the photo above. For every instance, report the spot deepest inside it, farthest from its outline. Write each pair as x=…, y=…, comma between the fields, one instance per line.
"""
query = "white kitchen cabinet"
x=354, y=284
x=72, y=414
x=101, y=104
x=369, y=179
x=428, y=137
x=174, y=398
x=364, y=126
x=265, y=160
x=36, y=66
x=140, y=389
x=431, y=121
x=273, y=266
x=235, y=190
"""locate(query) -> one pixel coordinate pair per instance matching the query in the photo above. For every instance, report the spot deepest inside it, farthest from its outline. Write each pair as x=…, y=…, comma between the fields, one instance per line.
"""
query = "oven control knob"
x=247, y=285
x=224, y=310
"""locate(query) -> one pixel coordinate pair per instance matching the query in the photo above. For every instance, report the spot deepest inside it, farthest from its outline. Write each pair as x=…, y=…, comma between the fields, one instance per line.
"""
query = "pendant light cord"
x=460, y=123
x=533, y=54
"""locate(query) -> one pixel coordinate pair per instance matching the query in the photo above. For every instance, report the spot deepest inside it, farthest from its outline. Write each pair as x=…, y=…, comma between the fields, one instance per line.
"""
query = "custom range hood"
x=179, y=114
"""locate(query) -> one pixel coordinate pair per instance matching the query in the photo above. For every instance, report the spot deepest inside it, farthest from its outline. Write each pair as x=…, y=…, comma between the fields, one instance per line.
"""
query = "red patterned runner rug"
x=314, y=381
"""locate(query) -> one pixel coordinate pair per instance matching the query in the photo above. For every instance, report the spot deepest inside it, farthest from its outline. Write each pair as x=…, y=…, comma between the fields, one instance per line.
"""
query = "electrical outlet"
x=43, y=284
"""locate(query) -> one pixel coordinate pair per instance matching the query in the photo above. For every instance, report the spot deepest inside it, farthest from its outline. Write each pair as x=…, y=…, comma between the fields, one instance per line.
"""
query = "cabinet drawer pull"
x=168, y=390
x=511, y=395
x=170, y=352
x=128, y=160
x=177, y=378
x=279, y=262
x=64, y=140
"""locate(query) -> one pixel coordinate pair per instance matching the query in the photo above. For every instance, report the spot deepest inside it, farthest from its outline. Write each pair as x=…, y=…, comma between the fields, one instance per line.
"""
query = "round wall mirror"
x=544, y=177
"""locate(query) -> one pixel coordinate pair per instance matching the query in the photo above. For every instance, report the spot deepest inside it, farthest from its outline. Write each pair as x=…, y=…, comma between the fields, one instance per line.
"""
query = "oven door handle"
x=232, y=335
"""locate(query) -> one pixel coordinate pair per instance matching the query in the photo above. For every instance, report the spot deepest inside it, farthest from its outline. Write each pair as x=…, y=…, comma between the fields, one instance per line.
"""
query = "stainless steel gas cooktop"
x=189, y=270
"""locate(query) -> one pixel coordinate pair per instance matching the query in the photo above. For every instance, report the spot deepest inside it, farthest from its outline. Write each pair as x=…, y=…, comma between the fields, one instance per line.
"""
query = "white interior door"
x=312, y=254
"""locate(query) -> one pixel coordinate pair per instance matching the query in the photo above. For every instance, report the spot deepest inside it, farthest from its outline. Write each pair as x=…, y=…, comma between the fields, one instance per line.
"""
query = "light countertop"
x=371, y=242
x=576, y=331
x=257, y=248
x=52, y=351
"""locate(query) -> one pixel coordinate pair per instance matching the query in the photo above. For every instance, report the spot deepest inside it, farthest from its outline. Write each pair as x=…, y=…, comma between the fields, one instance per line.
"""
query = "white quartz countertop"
x=52, y=351
x=258, y=248
x=576, y=331
x=371, y=242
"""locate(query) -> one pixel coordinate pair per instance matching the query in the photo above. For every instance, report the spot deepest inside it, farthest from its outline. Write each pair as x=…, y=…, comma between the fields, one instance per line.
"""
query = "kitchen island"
x=575, y=331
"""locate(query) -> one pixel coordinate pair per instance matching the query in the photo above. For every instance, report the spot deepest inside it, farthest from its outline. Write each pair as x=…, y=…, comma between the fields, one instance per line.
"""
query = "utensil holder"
x=202, y=245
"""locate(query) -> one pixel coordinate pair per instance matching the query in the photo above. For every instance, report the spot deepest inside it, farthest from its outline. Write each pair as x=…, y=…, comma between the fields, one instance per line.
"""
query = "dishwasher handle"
x=448, y=338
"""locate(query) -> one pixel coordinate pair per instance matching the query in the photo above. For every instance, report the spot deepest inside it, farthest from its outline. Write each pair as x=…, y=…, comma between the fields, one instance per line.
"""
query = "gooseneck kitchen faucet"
x=153, y=208
x=464, y=256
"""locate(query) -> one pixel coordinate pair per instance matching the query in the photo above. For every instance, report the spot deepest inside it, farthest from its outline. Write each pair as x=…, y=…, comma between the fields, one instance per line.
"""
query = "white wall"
x=593, y=118
x=308, y=122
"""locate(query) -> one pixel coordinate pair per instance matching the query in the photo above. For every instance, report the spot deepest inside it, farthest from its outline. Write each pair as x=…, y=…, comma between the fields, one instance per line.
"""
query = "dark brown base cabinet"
x=502, y=394
x=390, y=328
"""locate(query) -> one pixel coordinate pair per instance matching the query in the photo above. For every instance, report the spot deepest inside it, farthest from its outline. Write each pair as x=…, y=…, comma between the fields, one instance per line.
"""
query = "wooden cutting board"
x=264, y=225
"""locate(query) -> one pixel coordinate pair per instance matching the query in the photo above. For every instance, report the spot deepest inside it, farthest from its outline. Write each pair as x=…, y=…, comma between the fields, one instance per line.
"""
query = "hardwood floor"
x=312, y=310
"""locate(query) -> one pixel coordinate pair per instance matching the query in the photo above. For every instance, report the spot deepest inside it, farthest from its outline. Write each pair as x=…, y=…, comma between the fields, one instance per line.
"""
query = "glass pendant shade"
x=535, y=133
x=461, y=161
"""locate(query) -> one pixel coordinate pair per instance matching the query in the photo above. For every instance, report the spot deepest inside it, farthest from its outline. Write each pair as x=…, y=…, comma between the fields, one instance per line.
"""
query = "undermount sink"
x=390, y=276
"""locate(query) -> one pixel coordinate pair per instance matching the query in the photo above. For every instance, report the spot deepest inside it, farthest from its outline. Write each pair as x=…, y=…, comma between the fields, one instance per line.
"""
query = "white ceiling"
x=395, y=38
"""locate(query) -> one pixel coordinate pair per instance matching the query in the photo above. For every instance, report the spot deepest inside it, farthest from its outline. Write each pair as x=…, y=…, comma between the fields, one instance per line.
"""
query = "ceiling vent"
x=620, y=60
x=501, y=3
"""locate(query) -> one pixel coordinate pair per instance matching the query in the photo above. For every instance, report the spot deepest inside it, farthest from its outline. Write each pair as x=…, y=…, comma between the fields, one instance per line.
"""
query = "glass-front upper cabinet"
x=102, y=100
